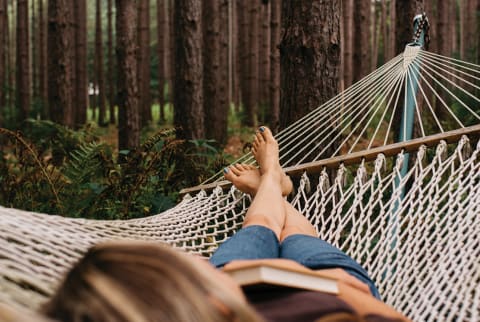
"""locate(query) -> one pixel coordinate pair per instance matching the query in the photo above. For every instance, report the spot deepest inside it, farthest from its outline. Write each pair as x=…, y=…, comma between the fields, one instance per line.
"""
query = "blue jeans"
x=257, y=242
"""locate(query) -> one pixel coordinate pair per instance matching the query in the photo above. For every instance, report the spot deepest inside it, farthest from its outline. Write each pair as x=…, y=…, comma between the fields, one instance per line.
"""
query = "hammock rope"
x=417, y=233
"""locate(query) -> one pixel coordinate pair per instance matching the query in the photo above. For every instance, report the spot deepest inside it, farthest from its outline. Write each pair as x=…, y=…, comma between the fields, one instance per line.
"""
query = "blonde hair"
x=11, y=314
x=144, y=282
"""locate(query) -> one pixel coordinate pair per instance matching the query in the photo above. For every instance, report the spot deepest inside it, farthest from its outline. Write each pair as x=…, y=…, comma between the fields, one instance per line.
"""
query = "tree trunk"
x=188, y=112
x=110, y=68
x=3, y=32
x=223, y=89
x=73, y=75
x=362, y=52
x=34, y=51
x=392, y=30
x=144, y=62
x=163, y=40
x=11, y=56
x=42, y=48
x=128, y=116
x=275, y=33
x=99, y=64
x=376, y=25
x=347, y=41
x=264, y=63
x=309, y=56
x=405, y=12
x=81, y=80
x=23, y=61
x=214, y=113
x=242, y=50
x=59, y=67
x=251, y=103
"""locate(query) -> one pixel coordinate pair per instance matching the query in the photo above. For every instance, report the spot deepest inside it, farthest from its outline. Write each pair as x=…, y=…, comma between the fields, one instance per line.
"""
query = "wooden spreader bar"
x=357, y=157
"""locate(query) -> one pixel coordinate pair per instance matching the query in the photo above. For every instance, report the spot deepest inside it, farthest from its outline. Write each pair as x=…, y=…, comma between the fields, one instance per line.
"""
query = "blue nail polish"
x=225, y=170
x=262, y=129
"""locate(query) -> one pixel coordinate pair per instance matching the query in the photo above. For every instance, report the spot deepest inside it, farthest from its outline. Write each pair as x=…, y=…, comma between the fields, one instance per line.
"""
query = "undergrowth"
x=51, y=169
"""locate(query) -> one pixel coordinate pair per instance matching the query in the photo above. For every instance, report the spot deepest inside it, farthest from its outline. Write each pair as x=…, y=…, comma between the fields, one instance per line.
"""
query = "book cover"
x=281, y=273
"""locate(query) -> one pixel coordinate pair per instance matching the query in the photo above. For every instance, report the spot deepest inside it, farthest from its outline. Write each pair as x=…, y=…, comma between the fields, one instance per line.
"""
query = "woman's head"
x=145, y=282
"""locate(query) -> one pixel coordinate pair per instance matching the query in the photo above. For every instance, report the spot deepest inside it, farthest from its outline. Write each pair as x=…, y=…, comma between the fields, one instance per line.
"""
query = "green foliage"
x=52, y=169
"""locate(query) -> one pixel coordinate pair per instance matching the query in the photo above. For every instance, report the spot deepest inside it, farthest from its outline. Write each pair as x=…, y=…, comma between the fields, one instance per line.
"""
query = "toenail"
x=225, y=170
x=262, y=128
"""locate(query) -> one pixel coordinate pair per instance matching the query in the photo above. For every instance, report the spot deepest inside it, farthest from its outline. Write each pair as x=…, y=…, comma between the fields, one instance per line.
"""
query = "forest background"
x=109, y=108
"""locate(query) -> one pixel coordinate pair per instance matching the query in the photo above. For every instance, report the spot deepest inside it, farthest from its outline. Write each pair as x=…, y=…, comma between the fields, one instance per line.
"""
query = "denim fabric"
x=252, y=242
x=315, y=253
x=257, y=242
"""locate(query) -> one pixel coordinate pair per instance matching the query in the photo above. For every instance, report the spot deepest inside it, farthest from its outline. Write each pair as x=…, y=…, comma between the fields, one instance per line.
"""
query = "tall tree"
x=362, y=45
x=42, y=59
x=144, y=61
x=59, y=67
x=242, y=49
x=23, y=61
x=163, y=48
x=99, y=71
x=110, y=69
x=128, y=116
x=81, y=80
x=275, y=15
x=264, y=61
x=188, y=98
x=251, y=103
x=3, y=32
x=214, y=120
x=309, y=57
x=405, y=12
x=347, y=42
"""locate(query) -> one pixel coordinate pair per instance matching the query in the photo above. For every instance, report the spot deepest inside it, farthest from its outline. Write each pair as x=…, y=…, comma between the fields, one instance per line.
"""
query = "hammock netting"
x=417, y=232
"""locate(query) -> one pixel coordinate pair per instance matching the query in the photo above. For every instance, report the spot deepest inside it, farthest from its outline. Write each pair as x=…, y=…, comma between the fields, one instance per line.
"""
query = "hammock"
x=416, y=229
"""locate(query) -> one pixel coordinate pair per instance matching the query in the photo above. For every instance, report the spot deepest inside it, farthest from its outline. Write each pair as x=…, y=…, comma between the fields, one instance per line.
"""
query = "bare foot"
x=246, y=178
x=265, y=150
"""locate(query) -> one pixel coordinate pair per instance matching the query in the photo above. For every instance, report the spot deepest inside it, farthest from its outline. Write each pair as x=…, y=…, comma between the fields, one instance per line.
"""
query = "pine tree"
x=23, y=61
x=128, y=114
x=188, y=104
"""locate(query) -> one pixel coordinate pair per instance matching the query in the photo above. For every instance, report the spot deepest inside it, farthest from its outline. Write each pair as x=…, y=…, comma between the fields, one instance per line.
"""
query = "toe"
x=228, y=173
x=266, y=133
x=236, y=169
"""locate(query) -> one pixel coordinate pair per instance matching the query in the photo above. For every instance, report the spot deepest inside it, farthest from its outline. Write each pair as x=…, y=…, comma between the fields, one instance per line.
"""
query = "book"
x=280, y=273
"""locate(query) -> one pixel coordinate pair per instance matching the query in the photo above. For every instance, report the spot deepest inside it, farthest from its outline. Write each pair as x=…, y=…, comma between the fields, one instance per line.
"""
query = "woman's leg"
x=265, y=218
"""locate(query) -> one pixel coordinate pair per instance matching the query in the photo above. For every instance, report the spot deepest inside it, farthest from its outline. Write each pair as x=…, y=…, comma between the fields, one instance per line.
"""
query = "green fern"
x=84, y=164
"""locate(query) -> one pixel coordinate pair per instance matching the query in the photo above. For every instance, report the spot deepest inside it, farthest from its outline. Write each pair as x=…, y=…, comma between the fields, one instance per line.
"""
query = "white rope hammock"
x=417, y=234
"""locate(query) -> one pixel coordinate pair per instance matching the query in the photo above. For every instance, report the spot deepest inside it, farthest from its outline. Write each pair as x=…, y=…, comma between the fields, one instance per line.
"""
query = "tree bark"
x=110, y=68
x=309, y=56
x=405, y=12
x=242, y=50
x=128, y=116
x=251, y=103
x=362, y=47
x=215, y=122
x=81, y=80
x=23, y=61
x=347, y=41
x=264, y=63
x=145, y=105
x=3, y=32
x=42, y=48
x=188, y=98
x=163, y=47
x=275, y=33
x=59, y=67
x=99, y=71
